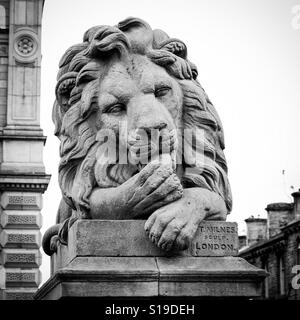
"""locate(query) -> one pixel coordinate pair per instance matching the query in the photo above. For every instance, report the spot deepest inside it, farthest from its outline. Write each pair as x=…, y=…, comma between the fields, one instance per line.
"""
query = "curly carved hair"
x=76, y=99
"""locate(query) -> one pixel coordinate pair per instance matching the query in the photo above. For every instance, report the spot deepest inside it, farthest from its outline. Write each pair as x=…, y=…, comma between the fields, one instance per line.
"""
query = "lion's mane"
x=76, y=100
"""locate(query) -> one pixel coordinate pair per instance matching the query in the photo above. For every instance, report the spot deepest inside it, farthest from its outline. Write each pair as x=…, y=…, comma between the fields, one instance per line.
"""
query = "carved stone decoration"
x=140, y=139
x=25, y=45
x=143, y=175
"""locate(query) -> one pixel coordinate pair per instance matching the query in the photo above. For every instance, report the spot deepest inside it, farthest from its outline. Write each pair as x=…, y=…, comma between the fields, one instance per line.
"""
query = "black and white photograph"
x=149, y=153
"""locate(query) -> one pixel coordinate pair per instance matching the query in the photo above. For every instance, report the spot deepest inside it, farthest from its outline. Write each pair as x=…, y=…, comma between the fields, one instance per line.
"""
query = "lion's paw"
x=171, y=227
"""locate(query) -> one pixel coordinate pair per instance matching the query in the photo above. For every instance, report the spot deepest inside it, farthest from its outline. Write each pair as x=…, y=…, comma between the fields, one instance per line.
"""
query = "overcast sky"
x=248, y=58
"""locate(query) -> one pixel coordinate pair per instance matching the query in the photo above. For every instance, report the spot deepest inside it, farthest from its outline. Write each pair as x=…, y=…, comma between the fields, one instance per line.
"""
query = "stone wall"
x=22, y=173
x=267, y=255
x=4, y=23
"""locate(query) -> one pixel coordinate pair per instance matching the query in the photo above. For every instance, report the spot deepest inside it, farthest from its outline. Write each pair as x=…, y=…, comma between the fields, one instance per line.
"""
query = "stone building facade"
x=277, y=250
x=22, y=173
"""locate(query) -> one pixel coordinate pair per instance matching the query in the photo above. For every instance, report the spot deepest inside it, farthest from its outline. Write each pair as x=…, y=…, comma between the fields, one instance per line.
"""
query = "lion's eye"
x=116, y=108
x=159, y=92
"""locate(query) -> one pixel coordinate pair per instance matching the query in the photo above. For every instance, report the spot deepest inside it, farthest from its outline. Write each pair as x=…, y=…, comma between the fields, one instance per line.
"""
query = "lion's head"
x=139, y=77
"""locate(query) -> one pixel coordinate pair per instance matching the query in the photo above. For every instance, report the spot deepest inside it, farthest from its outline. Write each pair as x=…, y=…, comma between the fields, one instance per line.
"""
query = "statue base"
x=114, y=258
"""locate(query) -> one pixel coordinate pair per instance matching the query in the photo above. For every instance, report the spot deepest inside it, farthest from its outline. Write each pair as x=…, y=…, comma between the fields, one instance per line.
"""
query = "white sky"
x=248, y=58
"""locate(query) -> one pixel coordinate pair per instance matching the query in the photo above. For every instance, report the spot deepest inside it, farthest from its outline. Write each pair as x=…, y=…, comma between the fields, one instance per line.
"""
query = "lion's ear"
x=63, y=89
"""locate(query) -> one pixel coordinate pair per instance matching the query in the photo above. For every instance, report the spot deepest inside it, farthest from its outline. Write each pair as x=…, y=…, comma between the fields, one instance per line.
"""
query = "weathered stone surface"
x=14, y=219
x=110, y=238
x=22, y=172
x=279, y=214
x=154, y=277
x=21, y=201
x=22, y=277
x=104, y=276
x=19, y=294
x=128, y=238
x=208, y=277
x=2, y=278
x=20, y=239
x=23, y=156
x=99, y=267
x=215, y=238
x=20, y=258
x=24, y=64
x=257, y=230
x=12, y=182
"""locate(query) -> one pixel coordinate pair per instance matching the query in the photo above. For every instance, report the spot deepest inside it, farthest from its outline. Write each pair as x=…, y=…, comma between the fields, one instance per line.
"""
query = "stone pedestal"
x=106, y=258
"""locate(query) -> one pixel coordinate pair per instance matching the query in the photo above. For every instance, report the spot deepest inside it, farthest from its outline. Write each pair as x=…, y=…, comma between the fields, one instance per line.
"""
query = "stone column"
x=22, y=172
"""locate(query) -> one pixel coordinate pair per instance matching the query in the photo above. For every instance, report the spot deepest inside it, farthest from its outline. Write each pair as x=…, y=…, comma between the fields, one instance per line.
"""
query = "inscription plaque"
x=215, y=238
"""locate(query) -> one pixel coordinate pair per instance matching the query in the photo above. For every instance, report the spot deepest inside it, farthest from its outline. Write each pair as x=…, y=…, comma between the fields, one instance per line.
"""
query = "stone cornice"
x=22, y=137
x=29, y=183
x=292, y=227
x=252, y=219
x=279, y=206
x=276, y=243
x=263, y=248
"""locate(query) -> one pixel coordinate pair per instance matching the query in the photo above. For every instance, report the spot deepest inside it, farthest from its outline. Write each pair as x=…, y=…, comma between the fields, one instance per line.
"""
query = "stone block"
x=20, y=258
x=22, y=277
x=215, y=238
x=128, y=238
x=21, y=200
x=2, y=278
x=60, y=258
x=3, y=50
x=106, y=258
x=3, y=68
x=20, y=12
x=208, y=277
x=3, y=83
x=104, y=276
x=31, y=14
x=3, y=76
x=200, y=277
x=110, y=238
x=3, y=91
x=3, y=61
x=11, y=219
x=20, y=239
x=19, y=294
x=19, y=151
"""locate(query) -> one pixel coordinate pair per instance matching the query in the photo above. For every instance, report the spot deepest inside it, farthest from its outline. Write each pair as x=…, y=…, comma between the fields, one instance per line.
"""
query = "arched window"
x=2, y=18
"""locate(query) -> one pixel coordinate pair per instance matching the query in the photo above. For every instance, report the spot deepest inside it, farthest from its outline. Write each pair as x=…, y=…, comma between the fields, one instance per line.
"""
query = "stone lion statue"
x=141, y=78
